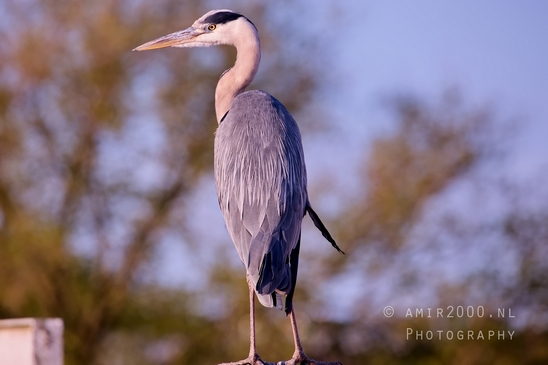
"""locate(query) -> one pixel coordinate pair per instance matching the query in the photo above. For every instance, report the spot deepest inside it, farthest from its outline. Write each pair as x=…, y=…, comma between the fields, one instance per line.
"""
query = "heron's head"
x=214, y=28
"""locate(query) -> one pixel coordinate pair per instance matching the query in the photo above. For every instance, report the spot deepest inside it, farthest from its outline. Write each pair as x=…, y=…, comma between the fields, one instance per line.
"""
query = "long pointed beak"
x=177, y=39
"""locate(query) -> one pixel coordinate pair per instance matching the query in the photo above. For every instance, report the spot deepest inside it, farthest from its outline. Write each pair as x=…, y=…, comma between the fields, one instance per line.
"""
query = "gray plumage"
x=261, y=183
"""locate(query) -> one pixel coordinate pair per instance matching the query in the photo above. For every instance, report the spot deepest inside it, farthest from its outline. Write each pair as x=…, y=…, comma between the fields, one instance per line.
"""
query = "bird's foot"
x=251, y=360
x=300, y=358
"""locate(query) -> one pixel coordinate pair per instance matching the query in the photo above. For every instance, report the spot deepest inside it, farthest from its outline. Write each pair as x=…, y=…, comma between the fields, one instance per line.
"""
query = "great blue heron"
x=259, y=167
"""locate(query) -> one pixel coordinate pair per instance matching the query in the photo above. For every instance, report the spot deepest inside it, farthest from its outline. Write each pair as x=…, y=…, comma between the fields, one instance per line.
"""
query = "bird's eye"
x=212, y=27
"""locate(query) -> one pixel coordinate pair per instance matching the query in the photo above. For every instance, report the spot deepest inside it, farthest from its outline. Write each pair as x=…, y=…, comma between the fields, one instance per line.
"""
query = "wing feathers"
x=261, y=184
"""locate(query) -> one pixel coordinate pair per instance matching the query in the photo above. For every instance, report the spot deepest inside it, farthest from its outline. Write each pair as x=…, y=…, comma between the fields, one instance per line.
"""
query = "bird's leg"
x=252, y=343
x=298, y=356
x=253, y=358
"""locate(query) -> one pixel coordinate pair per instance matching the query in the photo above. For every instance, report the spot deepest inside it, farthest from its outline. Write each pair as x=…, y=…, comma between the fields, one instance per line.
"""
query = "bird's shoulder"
x=260, y=103
x=256, y=112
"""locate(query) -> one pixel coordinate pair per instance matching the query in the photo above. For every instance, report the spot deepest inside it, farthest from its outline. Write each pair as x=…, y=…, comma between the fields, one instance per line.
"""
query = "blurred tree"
x=407, y=225
x=431, y=147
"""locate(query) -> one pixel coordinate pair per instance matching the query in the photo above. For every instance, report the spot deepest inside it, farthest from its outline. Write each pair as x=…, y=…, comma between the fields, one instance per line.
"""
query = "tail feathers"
x=271, y=300
x=268, y=282
x=318, y=223
x=272, y=284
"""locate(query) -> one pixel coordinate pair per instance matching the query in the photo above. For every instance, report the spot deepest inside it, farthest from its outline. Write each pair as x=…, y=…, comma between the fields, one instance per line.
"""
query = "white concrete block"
x=31, y=341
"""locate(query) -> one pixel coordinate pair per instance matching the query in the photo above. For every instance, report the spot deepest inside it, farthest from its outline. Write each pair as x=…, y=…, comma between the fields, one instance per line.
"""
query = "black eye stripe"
x=222, y=17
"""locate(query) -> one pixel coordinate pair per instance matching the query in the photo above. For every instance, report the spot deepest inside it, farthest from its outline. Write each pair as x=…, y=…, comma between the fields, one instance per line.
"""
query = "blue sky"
x=495, y=52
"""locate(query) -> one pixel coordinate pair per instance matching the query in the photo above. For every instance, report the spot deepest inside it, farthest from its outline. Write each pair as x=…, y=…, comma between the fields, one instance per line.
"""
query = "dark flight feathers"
x=319, y=224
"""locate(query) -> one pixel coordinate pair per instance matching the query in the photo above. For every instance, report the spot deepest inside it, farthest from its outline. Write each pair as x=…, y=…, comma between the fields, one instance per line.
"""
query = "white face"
x=213, y=28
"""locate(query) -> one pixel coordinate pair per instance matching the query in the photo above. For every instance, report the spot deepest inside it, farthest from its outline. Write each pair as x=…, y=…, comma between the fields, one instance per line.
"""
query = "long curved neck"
x=234, y=81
